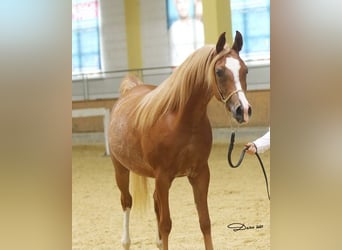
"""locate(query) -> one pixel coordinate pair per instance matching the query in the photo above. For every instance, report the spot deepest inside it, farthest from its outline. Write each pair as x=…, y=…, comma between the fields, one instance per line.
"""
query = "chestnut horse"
x=163, y=132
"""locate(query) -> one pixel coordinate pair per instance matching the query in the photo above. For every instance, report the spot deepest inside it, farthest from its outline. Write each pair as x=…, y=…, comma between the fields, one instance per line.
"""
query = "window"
x=85, y=37
x=252, y=19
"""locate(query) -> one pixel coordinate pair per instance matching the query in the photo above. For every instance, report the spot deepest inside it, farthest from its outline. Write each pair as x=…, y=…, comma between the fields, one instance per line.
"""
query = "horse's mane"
x=173, y=93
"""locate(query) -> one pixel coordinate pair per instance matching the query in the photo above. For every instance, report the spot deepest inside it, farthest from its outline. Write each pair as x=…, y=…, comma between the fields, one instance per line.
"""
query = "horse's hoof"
x=126, y=245
x=159, y=244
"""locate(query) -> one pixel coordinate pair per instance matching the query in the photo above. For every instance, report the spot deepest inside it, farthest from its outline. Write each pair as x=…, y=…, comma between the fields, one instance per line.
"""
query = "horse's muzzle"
x=242, y=114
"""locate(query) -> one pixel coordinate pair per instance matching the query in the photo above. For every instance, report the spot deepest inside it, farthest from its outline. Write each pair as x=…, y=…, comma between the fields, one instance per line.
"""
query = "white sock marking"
x=126, y=241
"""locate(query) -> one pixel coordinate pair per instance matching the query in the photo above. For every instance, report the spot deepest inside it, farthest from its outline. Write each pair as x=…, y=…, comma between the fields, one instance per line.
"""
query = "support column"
x=217, y=19
x=133, y=35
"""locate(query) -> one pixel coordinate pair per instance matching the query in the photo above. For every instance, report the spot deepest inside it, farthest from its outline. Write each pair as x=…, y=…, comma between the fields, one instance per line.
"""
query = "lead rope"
x=229, y=156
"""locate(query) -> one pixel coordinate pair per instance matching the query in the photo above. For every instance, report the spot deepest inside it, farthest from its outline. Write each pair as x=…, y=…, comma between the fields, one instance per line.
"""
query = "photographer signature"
x=240, y=226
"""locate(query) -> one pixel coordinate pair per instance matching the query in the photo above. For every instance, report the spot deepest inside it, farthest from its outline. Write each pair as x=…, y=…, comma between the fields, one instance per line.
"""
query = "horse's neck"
x=196, y=108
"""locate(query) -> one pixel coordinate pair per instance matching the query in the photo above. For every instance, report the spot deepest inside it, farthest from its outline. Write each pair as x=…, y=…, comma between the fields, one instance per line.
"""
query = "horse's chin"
x=239, y=120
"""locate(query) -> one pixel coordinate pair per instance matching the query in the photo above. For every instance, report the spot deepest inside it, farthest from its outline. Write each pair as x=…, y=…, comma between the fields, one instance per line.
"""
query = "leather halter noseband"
x=225, y=100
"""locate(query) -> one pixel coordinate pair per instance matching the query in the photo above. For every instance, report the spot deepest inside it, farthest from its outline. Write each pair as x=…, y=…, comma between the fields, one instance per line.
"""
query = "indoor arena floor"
x=235, y=196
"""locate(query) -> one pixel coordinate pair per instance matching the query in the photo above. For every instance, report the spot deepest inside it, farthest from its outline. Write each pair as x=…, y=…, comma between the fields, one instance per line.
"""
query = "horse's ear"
x=221, y=42
x=238, y=42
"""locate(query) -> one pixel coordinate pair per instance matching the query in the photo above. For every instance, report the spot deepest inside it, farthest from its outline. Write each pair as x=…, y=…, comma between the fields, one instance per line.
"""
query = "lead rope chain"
x=229, y=156
x=242, y=155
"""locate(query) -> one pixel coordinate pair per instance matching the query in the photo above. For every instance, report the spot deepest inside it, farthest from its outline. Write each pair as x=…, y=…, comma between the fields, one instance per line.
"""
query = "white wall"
x=113, y=35
x=154, y=34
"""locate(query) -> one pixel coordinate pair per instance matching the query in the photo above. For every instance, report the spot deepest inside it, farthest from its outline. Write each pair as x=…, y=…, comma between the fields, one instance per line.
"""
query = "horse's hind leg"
x=200, y=185
x=122, y=180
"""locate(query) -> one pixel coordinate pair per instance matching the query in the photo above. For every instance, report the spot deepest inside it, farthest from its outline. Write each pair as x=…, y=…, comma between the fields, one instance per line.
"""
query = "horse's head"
x=230, y=79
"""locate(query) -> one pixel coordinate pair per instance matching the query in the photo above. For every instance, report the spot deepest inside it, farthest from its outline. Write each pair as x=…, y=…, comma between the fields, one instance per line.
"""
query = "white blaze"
x=234, y=66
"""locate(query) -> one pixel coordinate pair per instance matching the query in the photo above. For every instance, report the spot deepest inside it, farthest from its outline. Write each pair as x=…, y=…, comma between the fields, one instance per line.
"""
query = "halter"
x=225, y=100
x=231, y=145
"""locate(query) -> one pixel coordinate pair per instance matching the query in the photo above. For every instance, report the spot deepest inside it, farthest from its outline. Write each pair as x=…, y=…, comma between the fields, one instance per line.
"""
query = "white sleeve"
x=263, y=143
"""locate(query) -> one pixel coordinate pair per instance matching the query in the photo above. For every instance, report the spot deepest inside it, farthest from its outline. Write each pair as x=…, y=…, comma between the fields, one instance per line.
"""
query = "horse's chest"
x=190, y=159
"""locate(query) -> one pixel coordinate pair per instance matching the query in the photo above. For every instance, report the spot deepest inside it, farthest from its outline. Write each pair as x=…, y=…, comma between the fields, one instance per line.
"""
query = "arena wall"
x=259, y=99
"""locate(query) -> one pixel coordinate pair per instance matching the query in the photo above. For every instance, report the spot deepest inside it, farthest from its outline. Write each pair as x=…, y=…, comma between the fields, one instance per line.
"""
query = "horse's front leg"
x=156, y=210
x=161, y=199
x=200, y=184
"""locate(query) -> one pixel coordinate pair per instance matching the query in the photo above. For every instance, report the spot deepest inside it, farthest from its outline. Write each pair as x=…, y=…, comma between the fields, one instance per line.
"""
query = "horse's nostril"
x=239, y=111
x=239, y=114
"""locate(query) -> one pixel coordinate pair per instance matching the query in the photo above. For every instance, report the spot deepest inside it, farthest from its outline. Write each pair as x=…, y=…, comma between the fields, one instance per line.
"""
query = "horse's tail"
x=140, y=191
x=129, y=82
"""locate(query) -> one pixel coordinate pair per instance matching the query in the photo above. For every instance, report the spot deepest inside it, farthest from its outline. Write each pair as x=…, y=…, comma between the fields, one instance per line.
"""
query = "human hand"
x=251, y=148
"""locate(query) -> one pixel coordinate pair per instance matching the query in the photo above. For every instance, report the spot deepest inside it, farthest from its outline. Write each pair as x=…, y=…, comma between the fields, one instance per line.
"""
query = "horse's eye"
x=219, y=72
